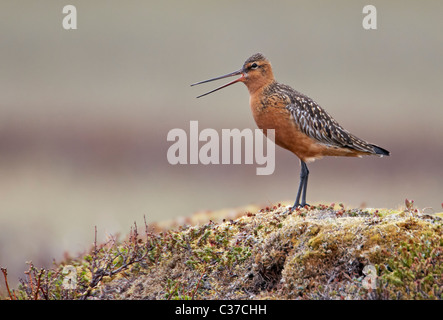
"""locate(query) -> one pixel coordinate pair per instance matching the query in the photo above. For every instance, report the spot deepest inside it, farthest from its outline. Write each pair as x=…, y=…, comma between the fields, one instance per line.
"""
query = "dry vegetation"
x=321, y=252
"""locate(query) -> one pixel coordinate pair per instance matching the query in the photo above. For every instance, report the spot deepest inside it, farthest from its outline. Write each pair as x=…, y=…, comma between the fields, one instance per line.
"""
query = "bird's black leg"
x=300, y=188
x=304, y=172
x=305, y=185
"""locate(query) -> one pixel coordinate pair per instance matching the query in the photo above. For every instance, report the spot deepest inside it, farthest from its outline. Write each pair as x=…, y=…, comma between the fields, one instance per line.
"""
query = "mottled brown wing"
x=319, y=125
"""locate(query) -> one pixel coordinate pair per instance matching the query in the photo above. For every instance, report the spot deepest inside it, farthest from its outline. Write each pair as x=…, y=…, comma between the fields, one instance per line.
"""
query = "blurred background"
x=84, y=114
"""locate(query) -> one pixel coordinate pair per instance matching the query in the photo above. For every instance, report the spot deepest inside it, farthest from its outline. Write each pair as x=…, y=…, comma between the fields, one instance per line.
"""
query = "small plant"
x=409, y=205
x=5, y=275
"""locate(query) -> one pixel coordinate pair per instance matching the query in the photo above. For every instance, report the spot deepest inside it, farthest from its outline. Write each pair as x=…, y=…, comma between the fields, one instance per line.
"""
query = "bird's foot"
x=296, y=206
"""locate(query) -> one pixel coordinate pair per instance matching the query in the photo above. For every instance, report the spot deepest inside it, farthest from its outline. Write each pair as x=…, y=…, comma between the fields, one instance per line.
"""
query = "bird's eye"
x=254, y=66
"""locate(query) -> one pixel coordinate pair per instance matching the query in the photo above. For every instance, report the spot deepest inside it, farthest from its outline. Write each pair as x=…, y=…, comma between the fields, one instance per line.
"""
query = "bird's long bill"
x=235, y=73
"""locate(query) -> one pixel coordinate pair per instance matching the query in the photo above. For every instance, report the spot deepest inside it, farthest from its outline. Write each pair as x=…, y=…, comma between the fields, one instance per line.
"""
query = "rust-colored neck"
x=256, y=83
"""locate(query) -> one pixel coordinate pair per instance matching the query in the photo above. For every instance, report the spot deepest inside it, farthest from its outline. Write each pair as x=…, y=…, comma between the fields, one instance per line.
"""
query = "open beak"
x=235, y=73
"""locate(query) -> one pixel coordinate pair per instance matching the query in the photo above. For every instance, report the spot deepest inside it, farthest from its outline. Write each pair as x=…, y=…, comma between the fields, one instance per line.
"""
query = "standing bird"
x=301, y=125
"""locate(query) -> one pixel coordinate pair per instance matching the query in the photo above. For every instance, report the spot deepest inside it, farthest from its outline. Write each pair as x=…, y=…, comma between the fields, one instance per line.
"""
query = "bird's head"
x=255, y=74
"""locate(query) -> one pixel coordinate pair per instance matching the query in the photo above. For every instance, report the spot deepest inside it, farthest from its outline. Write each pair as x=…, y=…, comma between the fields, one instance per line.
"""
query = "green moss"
x=415, y=270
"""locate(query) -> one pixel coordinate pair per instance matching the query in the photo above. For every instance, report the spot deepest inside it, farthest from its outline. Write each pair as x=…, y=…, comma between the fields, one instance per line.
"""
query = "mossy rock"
x=320, y=252
x=315, y=253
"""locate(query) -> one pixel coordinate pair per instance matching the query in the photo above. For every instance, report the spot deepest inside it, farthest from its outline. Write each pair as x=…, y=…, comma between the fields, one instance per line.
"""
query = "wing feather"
x=315, y=122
